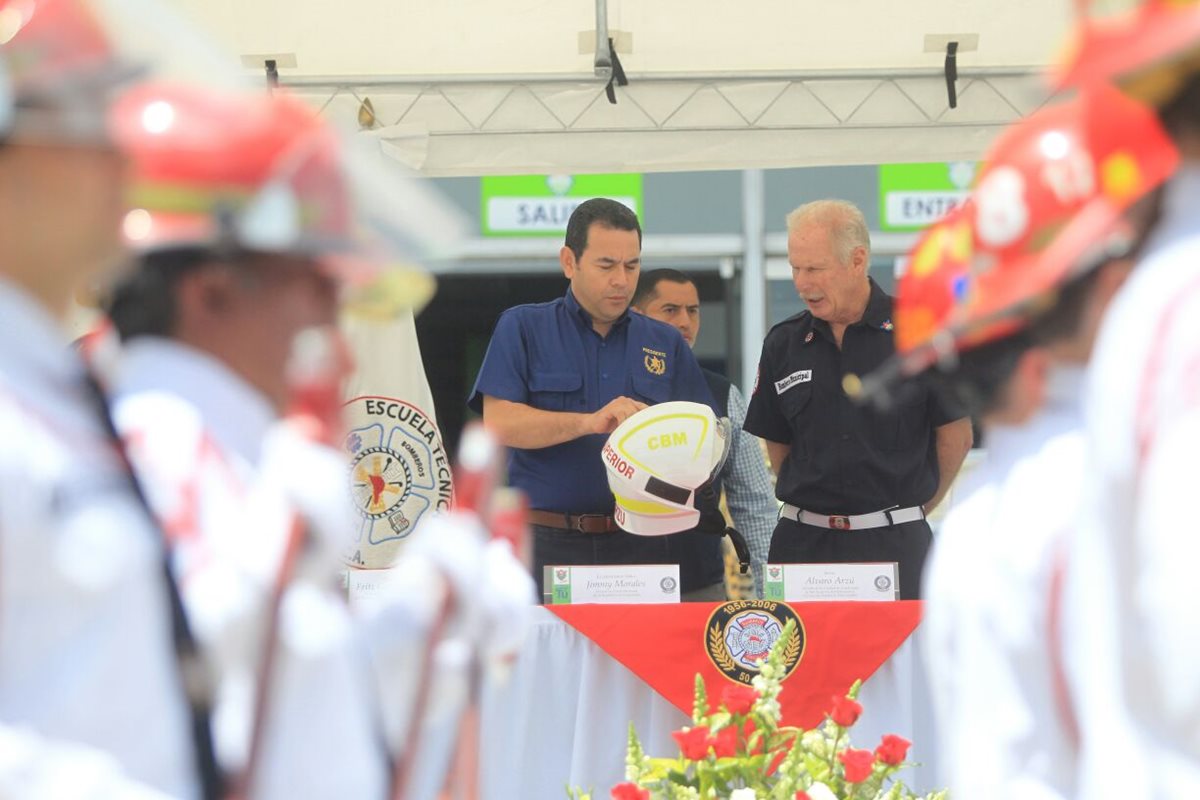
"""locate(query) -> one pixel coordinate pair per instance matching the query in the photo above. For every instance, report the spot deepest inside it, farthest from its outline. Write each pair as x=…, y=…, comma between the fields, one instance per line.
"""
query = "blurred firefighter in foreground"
x=1002, y=301
x=101, y=694
x=253, y=224
x=1131, y=594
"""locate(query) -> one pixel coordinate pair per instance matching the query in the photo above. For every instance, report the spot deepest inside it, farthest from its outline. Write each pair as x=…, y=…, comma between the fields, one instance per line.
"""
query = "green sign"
x=540, y=205
x=911, y=196
x=557, y=581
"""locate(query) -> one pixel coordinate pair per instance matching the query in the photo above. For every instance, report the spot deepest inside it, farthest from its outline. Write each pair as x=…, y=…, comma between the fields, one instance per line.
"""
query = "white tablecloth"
x=562, y=717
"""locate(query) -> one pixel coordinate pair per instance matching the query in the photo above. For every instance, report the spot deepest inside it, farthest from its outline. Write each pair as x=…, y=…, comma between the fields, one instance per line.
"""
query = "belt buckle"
x=581, y=520
x=839, y=522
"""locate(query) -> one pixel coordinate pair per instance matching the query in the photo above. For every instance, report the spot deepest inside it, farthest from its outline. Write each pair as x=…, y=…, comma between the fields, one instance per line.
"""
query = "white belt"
x=855, y=522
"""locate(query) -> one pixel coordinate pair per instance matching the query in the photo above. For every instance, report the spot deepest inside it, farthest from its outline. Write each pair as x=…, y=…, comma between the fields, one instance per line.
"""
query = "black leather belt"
x=580, y=523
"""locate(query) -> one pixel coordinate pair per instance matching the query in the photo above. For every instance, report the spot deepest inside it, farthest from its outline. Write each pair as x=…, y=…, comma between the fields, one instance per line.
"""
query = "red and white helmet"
x=254, y=172
x=61, y=59
x=1150, y=49
x=1050, y=196
x=657, y=459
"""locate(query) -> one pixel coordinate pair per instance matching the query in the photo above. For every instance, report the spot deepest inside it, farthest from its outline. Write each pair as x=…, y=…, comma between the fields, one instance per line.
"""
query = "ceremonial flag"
x=670, y=643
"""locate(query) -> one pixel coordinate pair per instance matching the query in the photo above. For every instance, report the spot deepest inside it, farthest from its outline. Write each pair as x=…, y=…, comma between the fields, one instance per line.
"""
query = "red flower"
x=858, y=764
x=724, y=744
x=738, y=699
x=845, y=711
x=801, y=795
x=693, y=743
x=629, y=791
x=892, y=749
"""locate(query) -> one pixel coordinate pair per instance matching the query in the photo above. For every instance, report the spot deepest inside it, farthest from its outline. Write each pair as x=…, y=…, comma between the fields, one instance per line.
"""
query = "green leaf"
x=818, y=768
x=680, y=778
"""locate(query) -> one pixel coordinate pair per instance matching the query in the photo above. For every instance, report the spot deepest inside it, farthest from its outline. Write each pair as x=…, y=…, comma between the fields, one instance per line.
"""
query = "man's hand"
x=521, y=425
x=612, y=415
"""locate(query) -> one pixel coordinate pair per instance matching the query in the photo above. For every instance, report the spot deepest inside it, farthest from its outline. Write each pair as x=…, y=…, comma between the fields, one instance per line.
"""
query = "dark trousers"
x=906, y=543
x=570, y=548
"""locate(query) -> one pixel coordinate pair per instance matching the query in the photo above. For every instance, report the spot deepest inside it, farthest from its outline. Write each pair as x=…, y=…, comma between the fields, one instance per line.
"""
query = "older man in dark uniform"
x=856, y=482
x=559, y=377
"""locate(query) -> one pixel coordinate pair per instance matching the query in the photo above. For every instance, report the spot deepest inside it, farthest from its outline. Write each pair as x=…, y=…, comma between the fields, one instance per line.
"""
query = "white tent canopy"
x=477, y=87
x=472, y=87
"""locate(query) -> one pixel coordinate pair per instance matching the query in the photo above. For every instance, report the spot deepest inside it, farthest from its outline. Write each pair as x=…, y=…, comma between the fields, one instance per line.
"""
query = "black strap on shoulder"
x=193, y=672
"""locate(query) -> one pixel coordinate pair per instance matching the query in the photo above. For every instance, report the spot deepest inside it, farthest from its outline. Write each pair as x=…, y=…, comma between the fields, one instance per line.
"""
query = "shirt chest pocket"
x=651, y=390
x=555, y=391
x=900, y=428
x=796, y=406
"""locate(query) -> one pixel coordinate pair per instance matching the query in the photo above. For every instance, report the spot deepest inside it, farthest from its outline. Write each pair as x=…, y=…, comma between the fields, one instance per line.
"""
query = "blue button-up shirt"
x=548, y=356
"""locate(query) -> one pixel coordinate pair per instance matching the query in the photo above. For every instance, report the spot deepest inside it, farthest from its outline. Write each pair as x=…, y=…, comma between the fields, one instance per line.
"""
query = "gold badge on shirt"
x=656, y=362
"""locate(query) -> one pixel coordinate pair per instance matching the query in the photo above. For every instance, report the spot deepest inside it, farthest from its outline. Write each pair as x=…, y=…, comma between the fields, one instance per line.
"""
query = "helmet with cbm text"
x=656, y=461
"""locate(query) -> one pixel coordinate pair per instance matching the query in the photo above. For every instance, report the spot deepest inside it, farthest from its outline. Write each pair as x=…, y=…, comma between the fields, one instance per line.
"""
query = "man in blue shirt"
x=560, y=376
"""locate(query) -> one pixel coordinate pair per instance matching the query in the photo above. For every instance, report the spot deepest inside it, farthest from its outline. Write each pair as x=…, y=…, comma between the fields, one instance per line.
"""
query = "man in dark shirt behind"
x=856, y=482
x=672, y=297
x=560, y=376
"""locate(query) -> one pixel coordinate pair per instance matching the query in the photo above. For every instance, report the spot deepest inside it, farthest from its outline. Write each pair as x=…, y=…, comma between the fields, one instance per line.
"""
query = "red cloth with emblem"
x=843, y=642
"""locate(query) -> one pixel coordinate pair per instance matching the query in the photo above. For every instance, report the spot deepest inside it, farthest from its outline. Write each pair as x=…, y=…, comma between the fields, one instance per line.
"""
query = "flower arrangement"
x=738, y=751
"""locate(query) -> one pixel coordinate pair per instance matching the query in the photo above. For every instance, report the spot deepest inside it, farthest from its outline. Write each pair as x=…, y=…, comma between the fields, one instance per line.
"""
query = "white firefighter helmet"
x=656, y=461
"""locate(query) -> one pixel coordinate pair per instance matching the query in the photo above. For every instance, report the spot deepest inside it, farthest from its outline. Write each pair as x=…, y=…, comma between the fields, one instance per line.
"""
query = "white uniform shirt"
x=1132, y=600
x=202, y=442
x=85, y=633
x=987, y=590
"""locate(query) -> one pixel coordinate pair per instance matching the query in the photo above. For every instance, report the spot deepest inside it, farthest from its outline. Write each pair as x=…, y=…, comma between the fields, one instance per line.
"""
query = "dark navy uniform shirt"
x=547, y=355
x=845, y=458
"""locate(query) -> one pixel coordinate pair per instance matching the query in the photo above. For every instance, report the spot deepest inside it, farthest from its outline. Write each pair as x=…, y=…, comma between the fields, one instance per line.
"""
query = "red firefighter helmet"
x=249, y=171
x=52, y=53
x=61, y=59
x=1052, y=191
x=1150, y=49
x=937, y=274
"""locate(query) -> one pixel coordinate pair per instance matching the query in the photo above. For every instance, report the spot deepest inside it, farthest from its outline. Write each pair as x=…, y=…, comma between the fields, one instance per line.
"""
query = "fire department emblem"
x=739, y=635
x=399, y=471
x=382, y=481
x=655, y=365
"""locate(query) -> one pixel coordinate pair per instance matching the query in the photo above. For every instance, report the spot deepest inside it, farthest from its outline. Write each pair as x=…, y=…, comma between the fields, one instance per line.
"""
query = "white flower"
x=768, y=707
x=743, y=794
x=819, y=791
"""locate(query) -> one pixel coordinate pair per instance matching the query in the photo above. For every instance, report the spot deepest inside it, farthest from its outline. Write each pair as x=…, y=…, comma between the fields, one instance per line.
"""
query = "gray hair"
x=846, y=225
